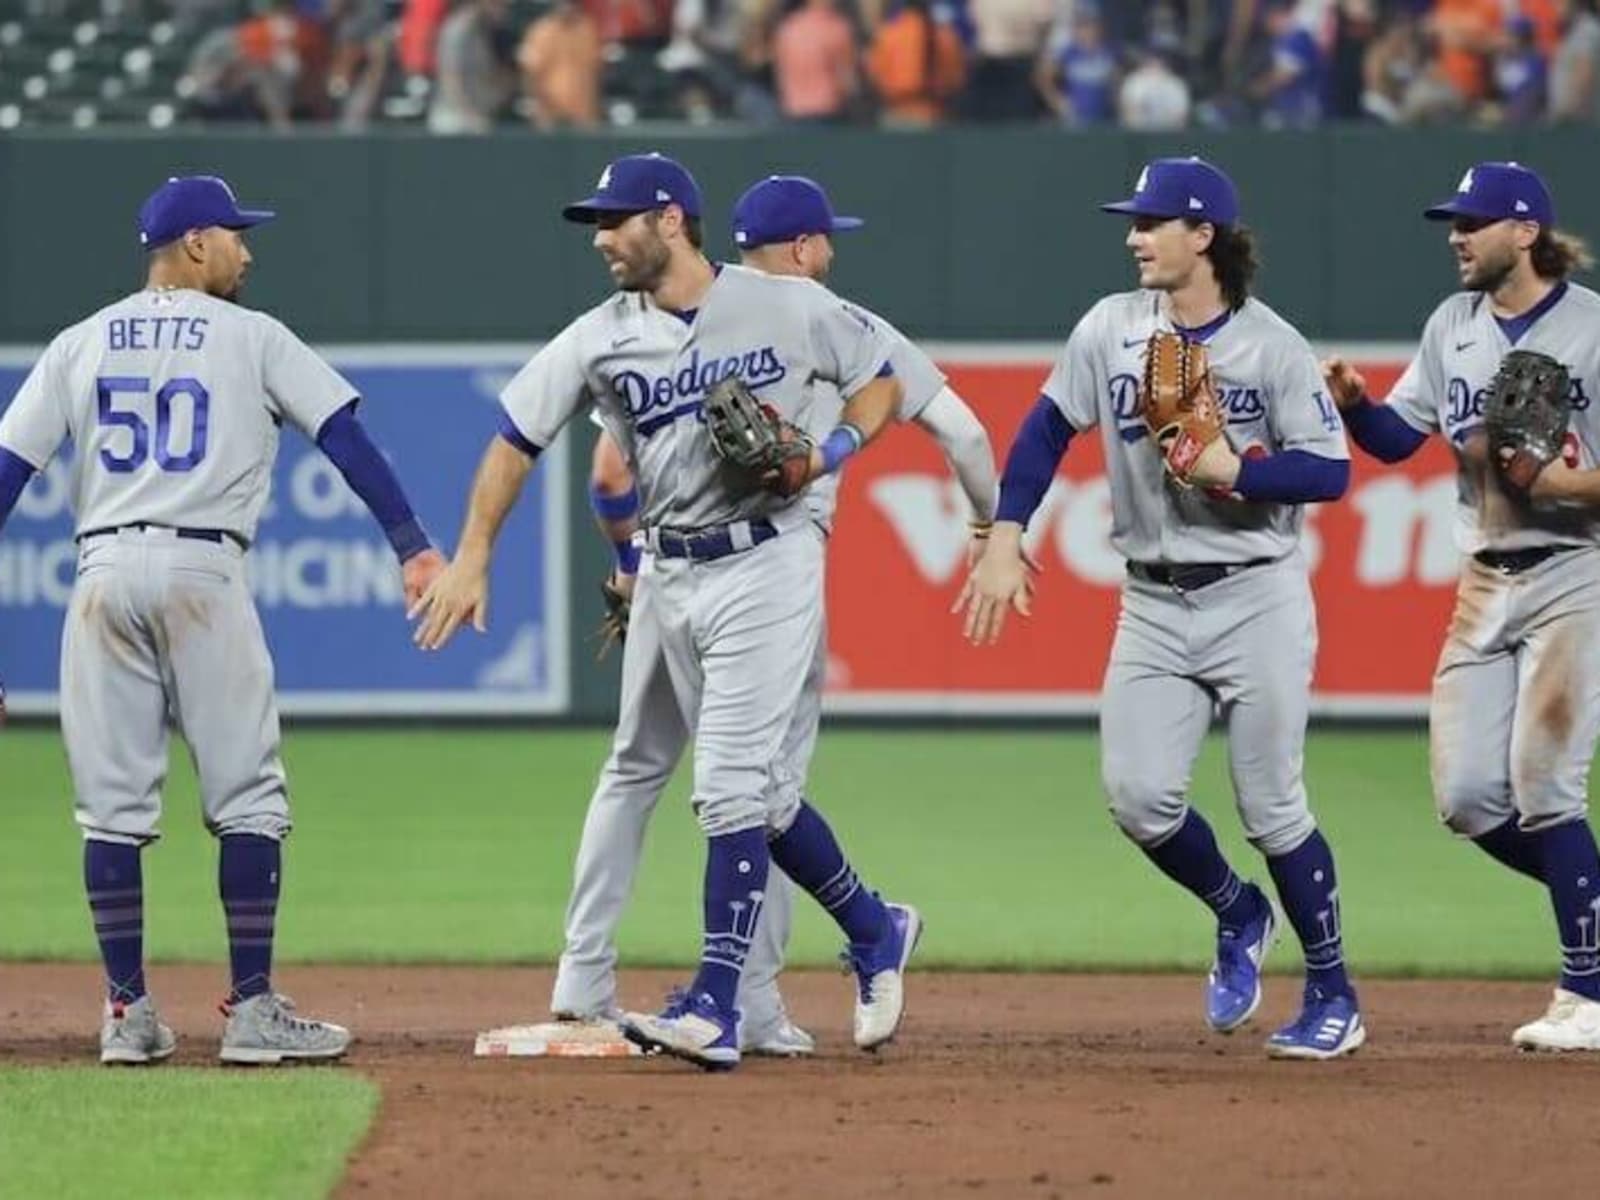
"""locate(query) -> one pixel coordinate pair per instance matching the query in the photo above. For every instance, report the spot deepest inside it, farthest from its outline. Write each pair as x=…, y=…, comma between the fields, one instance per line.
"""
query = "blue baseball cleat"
x=1233, y=989
x=1328, y=1027
x=880, y=977
x=691, y=1027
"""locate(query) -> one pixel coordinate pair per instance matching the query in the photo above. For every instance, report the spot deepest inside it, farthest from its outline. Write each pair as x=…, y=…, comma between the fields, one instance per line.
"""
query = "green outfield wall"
x=973, y=233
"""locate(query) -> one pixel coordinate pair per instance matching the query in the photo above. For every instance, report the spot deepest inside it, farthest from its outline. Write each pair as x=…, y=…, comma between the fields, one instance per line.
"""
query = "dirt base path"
x=1031, y=1086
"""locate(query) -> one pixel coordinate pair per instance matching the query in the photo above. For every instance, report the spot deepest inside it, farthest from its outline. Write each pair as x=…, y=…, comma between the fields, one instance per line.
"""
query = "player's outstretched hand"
x=417, y=572
x=1001, y=580
x=458, y=594
x=1346, y=384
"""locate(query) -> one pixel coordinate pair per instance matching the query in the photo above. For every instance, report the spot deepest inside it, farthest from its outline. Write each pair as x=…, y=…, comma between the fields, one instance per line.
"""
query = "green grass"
x=88, y=1132
x=457, y=846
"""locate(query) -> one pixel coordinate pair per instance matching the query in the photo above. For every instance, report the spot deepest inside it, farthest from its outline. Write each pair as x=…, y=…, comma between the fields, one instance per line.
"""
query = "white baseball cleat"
x=880, y=977
x=1571, y=1023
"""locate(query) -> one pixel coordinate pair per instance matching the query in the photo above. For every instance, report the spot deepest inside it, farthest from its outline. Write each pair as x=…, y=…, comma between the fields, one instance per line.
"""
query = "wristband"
x=844, y=441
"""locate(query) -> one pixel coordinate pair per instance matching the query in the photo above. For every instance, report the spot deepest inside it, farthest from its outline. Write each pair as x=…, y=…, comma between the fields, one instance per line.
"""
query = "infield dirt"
x=1030, y=1086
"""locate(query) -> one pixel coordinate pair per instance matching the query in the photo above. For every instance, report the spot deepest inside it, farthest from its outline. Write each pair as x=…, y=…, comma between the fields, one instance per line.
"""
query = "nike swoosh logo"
x=1460, y=346
x=1127, y=345
x=618, y=343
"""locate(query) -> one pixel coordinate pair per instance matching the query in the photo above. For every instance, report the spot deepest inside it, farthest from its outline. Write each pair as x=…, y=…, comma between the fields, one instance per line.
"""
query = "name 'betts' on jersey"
x=647, y=371
x=1443, y=389
x=1271, y=393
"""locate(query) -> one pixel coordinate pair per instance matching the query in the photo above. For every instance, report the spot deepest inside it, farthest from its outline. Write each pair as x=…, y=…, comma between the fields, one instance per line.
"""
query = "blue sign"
x=324, y=578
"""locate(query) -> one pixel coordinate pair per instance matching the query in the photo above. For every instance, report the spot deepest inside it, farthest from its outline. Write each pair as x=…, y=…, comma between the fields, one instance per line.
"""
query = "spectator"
x=1395, y=60
x=363, y=47
x=644, y=25
x=814, y=63
x=221, y=84
x=1290, y=91
x=1467, y=33
x=473, y=84
x=419, y=35
x=917, y=65
x=1574, y=95
x=1154, y=98
x=1011, y=36
x=1077, y=77
x=1520, y=76
x=707, y=59
x=560, y=63
x=1355, y=29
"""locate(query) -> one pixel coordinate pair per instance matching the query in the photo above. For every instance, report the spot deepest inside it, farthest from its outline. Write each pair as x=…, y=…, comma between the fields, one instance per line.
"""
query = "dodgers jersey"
x=173, y=399
x=1443, y=389
x=1270, y=389
x=793, y=342
x=920, y=381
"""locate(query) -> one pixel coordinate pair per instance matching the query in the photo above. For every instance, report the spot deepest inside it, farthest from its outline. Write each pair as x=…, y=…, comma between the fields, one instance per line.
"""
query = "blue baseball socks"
x=735, y=885
x=1191, y=858
x=114, y=879
x=810, y=855
x=248, y=878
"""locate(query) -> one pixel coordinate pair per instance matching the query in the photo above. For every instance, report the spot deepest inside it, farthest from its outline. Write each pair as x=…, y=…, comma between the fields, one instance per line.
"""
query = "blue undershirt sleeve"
x=1293, y=477
x=15, y=471
x=343, y=439
x=1032, y=461
x=1382, y=432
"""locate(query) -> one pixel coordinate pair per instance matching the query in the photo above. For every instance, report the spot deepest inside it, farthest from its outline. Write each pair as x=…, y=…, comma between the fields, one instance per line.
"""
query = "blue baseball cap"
x=637, y=183
x=782, y=207
x=190, y=202
x=1498, y=191
x=1181, y=187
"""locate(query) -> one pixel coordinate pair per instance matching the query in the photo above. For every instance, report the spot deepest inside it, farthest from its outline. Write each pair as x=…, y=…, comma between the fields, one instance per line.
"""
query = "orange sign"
x=1384, y=574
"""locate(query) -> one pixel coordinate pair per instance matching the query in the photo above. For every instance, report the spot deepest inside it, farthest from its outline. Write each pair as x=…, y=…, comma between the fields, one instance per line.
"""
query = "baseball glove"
x=613, y=629
x=1178, y=402
x=1525, y=412
x=753, y=438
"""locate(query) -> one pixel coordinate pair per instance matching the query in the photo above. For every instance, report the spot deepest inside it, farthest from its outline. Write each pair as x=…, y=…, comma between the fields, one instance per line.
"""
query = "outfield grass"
x=88, y=1132
x=456, y=846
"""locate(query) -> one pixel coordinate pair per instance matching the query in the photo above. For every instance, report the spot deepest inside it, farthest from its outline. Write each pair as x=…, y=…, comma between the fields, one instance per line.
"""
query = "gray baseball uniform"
x=1245, y=642
x=1516, y=696
x=173, y=399
x=650, y=739
x=738, y=631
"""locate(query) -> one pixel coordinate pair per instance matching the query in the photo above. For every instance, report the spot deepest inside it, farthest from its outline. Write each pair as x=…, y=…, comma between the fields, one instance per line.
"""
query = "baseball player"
x=783, y=226
x=731, y=582
x=1516, y=695
x=173, y=397
x=1217, y=610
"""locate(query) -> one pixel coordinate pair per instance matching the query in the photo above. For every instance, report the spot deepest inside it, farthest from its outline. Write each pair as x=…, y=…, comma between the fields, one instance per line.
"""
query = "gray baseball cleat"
x=133, y=1033
x=264, y=1029
x=775, y=1035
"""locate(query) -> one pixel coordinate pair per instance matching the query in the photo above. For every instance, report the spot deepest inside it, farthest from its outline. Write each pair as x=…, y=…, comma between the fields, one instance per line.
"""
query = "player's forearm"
x=617, y=515
x=343, y=439
x=966, y=448
x=866, y=414
x=495, y=489
x=1292, y=477
x=872, y=408
x=1566, y=487
x=15, y=471
x=1381, y=431
x=1031, y=463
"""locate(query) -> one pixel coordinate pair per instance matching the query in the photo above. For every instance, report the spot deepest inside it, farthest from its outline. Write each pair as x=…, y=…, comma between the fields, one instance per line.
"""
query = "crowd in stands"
x=467, y=66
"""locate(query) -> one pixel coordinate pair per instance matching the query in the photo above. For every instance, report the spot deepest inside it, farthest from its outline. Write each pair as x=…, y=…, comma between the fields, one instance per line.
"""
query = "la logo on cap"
x=1466, y=182
x=1144, y=179
x=605, y=180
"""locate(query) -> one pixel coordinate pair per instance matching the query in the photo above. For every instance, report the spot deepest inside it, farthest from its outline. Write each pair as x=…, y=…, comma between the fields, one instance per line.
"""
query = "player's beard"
x=1488, y=272
x=643, y=269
